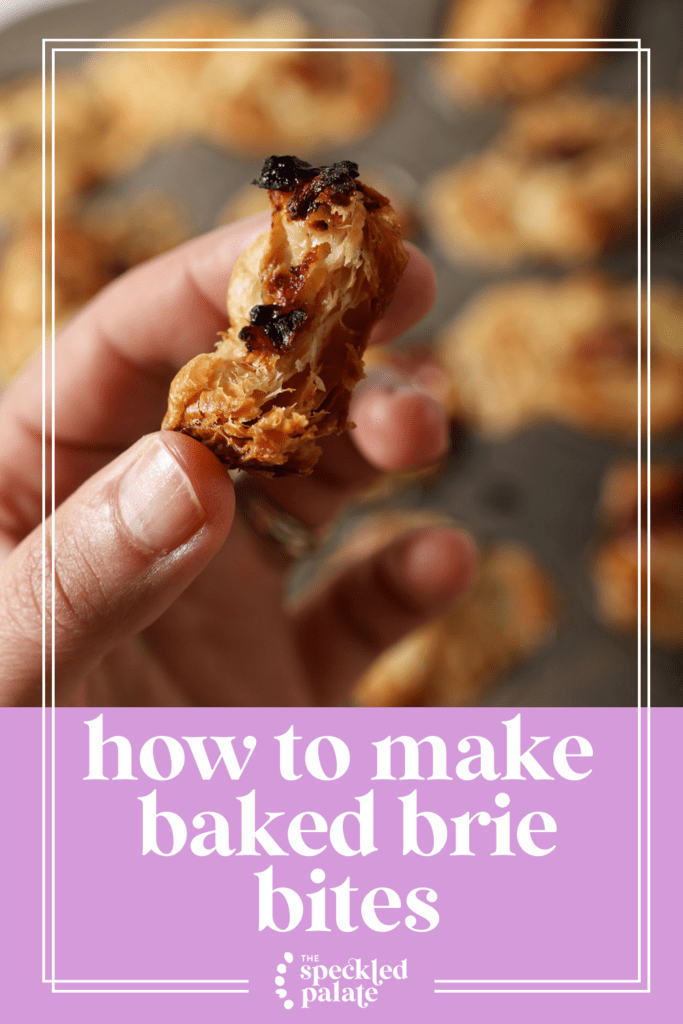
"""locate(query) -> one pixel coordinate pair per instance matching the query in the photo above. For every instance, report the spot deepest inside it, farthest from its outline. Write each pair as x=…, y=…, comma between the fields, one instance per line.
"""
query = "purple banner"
x=243, y=864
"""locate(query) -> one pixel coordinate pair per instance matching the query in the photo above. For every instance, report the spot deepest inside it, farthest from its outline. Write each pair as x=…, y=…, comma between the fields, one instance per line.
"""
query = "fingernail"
x=157, y=503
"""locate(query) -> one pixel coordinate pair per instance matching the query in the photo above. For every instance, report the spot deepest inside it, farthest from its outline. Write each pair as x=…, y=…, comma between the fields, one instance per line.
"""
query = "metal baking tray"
x=540, y=486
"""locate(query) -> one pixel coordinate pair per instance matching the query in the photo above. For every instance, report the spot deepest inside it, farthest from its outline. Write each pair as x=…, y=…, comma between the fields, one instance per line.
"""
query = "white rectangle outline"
x=637, y=981
x=640, y=50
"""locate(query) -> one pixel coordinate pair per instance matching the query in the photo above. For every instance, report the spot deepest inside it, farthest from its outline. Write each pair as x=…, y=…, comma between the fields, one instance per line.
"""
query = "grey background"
x=540, y=486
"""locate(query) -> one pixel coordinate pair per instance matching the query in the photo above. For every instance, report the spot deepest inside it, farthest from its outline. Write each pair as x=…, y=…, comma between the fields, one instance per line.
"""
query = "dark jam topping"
x=278, y=326
x=337, y=178
x=284, y=173
x=289, y=174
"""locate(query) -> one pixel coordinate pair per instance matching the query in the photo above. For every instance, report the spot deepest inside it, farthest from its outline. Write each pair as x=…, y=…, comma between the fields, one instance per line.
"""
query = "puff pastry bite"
x=247, y=100
x=506, y=616
x=471, y=78
x=616, y=577
x=567, y=351
x=155, y=98
x=291, y=99
x=561, y=184
x=302, y=301
x=79, y=125
x=89, y=253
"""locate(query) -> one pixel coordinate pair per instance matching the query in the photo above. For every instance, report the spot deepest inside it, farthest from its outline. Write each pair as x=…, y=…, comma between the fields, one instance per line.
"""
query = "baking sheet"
x=541, y=485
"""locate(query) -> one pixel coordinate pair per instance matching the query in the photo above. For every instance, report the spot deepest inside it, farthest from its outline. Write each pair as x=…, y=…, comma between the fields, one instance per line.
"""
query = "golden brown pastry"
x=567, y=351
x=249, y=100
x=561, y=184
x=302, y=301
x=155, y=97
x=291, y=99
x=507, y=615
x=89, y=253
x=79, y=126
x=471, y=78
x=615, y=567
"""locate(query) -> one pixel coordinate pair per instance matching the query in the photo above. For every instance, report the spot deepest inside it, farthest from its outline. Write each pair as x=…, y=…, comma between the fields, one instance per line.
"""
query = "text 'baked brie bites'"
x=476, y=76
x=302, y=301
x=567, y=351
x=617, y=577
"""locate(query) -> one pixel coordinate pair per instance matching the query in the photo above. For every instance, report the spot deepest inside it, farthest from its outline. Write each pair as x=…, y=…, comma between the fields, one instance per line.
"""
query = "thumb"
x=125, y=545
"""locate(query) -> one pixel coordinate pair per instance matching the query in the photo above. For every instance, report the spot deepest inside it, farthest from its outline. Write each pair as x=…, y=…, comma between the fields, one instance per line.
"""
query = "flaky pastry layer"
x=302, y=301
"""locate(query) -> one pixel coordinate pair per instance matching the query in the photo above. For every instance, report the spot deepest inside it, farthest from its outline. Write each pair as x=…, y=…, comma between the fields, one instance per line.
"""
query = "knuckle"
x=77, y=599
x=22, y=591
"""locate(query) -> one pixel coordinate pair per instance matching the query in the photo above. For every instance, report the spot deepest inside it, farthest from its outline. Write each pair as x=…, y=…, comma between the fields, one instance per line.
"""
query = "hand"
x=162, y=595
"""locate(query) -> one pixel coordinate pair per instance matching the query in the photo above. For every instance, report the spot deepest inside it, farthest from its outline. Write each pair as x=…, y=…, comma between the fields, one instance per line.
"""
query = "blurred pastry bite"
x=560, y=184
x=155, y=97
x=277, y=96
x=534, y=351
x=90, y=251
x=79, y=126
x=506, y=616
x=617, y=578
x=472, y=78
x=292, y=99
x=302, y=301
x=128, y=102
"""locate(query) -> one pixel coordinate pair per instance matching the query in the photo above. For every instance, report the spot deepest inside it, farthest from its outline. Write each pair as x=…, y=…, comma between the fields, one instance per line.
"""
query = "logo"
x=312, y=983
x=280, y=980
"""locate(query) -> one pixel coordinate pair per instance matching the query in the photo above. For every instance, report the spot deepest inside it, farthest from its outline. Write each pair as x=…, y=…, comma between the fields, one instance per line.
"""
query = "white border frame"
x=640, y=50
